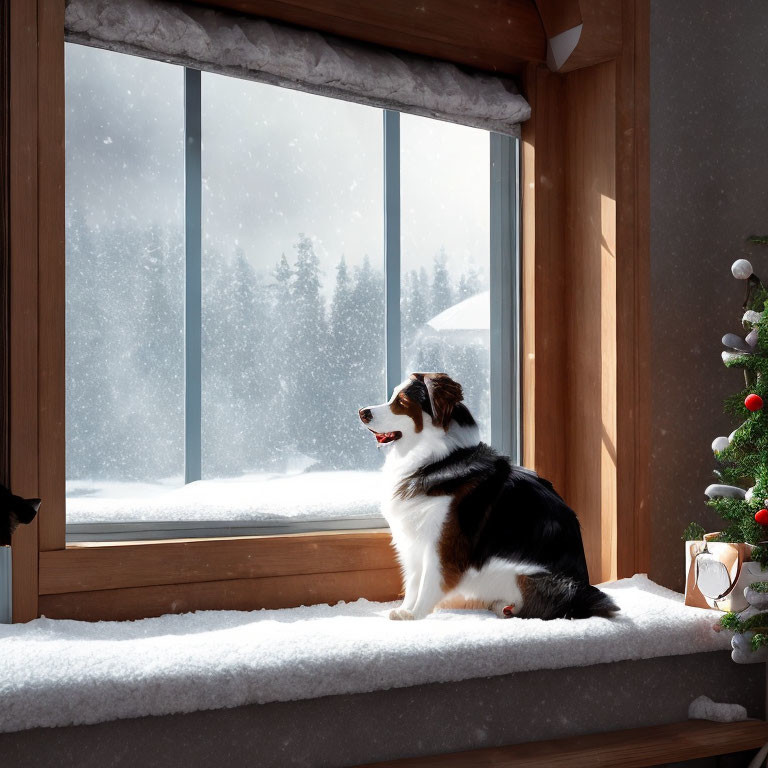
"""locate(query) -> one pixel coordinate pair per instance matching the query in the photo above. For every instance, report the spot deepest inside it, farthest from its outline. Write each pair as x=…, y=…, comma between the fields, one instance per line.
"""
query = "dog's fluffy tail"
x=561, y=597
x=590, y=601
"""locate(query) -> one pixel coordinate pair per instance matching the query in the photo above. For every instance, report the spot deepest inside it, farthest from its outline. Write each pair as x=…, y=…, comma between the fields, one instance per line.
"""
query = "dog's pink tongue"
x=382, y=437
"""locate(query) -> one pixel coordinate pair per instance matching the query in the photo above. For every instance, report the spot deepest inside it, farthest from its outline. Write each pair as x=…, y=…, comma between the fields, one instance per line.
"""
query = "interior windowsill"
x=66, y=672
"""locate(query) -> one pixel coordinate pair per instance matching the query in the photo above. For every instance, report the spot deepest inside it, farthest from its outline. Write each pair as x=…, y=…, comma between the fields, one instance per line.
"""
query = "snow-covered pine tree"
x=344, y=352
x=278, y=396
x=341, y=308
x=87, y=379
x=367, y=331
x=442, y=291
x=152, y=324
x=469, y=284
x=306, y=359
x=414, y=303
x=236, y=364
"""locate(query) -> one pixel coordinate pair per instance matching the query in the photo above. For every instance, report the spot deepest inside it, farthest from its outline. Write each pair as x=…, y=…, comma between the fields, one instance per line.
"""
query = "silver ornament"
x=741, y=269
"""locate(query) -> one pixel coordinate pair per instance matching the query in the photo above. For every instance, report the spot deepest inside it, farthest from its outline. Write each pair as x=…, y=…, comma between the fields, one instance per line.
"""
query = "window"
x=246, y=266
x=124, y=280
x=445, y=321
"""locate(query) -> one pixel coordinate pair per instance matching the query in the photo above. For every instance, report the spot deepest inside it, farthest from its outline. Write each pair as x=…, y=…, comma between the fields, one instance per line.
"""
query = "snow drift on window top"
x=298, y=58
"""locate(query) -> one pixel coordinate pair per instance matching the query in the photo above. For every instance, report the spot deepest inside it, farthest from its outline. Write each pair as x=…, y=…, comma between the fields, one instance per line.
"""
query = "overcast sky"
x=275, y=163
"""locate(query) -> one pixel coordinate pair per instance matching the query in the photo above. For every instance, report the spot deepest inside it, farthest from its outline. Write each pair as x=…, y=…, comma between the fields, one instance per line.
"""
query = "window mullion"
x=193, y=277
x=505, y=297
x=392, y=248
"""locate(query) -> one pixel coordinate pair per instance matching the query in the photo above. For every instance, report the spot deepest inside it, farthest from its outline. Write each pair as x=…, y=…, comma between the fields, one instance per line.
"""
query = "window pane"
x=124, y=278
x=445, y=298
x=293, y=289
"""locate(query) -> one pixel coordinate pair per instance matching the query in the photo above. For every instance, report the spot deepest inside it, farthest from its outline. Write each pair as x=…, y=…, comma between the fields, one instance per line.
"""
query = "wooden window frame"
x=585, y=309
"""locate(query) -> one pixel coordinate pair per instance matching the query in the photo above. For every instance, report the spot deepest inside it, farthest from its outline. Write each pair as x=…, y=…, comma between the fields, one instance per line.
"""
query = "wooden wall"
x=585, y=278
x=590, y=274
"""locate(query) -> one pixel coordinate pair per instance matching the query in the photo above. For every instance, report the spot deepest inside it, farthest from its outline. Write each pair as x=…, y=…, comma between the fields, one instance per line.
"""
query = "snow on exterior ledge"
x=58, y=673
x=259, y=498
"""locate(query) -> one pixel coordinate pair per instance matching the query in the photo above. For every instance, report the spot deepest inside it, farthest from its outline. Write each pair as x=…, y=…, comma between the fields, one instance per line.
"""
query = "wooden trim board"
x=5, y=242
x=23, y=428
x=122, y=565
x=636, y=748
x=51, y=256
x=590, y=274
x=633, y=292
x=544, y=287
x=486, y=34
x=381, y=585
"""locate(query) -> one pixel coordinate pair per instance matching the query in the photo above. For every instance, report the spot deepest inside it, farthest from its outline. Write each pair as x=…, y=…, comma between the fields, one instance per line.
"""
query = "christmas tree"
x=740, y=494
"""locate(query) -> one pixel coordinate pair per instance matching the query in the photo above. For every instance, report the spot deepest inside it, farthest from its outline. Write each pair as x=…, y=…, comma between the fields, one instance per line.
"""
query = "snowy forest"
x=287, y=360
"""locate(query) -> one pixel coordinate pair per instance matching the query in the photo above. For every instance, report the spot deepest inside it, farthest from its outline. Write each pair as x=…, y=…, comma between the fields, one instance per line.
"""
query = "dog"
x=468, y=524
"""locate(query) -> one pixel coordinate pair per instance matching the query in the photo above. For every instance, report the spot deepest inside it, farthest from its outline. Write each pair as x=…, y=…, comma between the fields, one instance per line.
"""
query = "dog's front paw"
x=400, y=614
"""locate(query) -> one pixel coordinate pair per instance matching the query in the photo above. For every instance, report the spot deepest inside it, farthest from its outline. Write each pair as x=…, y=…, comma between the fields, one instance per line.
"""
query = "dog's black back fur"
x=510, y=512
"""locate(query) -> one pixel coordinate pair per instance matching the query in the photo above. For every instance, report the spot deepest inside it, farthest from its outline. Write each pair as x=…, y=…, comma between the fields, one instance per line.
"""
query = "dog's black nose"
x=365, y=415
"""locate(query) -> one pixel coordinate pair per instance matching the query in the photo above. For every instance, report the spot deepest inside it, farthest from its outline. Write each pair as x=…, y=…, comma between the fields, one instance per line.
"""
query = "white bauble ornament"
x=720, y=491
x=732, y=341
x=741, y=269
x=750, y=316
x=758, y=601
x=719, y=444
x=748, y=495
x=742, y=652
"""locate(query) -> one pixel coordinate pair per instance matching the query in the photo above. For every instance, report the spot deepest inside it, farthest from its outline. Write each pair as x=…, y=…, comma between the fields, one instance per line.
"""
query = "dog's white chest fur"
x=416, y=524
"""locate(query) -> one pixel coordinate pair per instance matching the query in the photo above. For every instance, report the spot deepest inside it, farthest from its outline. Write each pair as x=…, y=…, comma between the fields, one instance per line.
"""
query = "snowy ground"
x=259, y=498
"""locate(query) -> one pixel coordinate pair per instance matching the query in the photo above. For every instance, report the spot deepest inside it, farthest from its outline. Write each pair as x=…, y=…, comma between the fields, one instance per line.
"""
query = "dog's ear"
x=444, y=395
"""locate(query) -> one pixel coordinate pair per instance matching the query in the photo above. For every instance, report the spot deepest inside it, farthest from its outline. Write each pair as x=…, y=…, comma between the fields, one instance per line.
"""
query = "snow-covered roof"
x=472, y=314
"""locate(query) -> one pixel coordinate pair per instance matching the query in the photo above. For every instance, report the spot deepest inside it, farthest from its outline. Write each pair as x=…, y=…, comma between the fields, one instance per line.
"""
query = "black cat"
x=14, y=511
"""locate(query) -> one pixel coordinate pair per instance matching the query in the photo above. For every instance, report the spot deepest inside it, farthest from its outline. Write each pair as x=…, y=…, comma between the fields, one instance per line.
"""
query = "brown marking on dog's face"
x=454, y=548
x=403, y=405
x=444, y=395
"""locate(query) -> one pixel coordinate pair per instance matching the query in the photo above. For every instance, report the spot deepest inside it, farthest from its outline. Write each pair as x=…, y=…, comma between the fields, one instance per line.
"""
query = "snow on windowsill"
x=58, y=673
x=263, y=498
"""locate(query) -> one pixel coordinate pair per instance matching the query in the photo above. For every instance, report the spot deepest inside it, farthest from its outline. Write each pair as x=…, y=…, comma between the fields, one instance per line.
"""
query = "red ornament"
x=761, y=516
x=753, y=402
